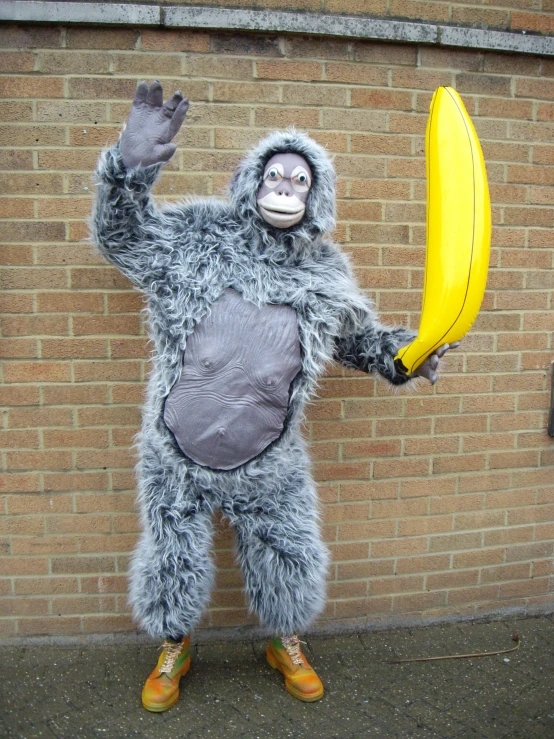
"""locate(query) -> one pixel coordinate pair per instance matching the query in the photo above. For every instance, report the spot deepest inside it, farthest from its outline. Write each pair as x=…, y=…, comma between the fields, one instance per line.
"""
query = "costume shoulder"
x=334, y=267
x=197, y=223
x=196, y=210
x=334, y=256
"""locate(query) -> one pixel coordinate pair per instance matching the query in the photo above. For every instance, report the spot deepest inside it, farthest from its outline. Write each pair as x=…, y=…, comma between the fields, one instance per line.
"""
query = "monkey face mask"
x=284, y=191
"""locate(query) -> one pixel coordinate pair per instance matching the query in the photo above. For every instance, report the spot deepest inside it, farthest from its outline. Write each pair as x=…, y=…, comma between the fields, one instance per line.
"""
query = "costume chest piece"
x=231, y=400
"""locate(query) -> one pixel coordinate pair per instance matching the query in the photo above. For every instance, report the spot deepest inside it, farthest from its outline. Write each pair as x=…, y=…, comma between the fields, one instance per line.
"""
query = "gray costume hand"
x=151, y=126
x=429, y=368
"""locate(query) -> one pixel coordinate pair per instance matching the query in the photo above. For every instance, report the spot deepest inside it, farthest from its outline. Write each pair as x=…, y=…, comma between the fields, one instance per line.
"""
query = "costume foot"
x=284, y=654
x=161, y=690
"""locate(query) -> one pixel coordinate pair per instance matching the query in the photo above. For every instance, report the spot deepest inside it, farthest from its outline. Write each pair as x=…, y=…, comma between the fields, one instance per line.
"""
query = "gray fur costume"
x=183, y=257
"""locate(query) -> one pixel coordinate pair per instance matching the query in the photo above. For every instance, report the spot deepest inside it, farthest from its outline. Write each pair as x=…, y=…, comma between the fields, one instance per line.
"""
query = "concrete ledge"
x=477, y=38
x=306, y=23
x=319, y=24
x=34, y=11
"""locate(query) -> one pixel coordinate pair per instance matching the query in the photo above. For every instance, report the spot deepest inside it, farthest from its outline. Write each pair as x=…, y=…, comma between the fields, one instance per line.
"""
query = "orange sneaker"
x=284, y=654
x=161, y=690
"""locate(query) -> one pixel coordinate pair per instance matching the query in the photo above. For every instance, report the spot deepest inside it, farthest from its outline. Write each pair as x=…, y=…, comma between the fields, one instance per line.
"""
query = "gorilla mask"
x=284, y=191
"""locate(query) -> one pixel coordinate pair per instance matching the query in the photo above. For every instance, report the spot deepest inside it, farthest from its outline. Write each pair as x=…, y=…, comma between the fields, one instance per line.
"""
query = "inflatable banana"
x=458, y=229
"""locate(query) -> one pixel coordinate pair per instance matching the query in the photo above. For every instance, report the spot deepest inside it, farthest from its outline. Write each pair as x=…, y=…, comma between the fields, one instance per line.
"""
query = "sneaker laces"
x=292, y=647
x=173, y=651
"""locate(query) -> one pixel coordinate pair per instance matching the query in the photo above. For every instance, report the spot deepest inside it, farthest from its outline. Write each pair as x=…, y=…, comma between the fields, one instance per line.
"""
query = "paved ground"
x=230, y=692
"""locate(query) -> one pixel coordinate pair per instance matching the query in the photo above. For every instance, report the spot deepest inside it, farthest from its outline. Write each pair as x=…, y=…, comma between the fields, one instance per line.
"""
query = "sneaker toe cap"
x=307, y=685
x=158, y=692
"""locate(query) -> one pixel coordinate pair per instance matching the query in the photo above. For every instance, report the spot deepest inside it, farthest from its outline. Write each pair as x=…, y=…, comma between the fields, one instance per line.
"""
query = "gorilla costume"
x=244, y=315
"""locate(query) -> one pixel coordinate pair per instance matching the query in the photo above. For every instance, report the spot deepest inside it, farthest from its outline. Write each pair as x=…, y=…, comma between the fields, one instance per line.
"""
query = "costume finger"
x=434, y=361
x=455, y=345
x=165, y=152
x=140, y=93
x=172, y=103
x=178, y=118
x=155, y=95
x=422, y=371
x=441, y=351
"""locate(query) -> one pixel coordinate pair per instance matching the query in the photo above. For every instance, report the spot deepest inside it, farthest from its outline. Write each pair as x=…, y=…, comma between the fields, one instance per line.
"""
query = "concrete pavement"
x=93, y=690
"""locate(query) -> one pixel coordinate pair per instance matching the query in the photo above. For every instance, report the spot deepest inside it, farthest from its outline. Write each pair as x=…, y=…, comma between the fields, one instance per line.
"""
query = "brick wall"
x=436, y=503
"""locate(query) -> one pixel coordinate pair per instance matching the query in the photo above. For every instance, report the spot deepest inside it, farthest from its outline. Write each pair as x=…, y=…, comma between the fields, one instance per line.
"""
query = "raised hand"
x=429, y=368
x=151, y=126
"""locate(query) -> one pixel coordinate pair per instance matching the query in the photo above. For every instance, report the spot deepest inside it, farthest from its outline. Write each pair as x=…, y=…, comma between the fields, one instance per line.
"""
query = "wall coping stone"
x=319, y=24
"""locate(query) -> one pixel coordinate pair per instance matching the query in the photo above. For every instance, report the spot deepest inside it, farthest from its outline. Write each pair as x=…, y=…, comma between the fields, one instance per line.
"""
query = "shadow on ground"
x=85, y=692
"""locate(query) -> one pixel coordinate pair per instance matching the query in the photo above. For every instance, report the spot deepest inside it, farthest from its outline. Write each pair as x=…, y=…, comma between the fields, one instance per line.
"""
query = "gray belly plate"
x=231, y=399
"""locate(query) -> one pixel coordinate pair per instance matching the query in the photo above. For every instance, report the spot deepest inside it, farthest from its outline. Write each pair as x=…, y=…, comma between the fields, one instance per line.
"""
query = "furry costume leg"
x=171, y=572
x=283, y=559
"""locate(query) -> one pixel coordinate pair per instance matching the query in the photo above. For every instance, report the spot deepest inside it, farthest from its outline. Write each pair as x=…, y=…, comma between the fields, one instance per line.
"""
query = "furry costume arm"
x=365, y=344
x=362, y=342
x=125, y=217
x=371, y=347
x=126, y=224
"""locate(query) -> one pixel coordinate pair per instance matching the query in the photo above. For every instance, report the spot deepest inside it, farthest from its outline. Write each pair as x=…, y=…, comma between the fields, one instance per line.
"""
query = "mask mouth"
x=284, y=216
x=290, y=210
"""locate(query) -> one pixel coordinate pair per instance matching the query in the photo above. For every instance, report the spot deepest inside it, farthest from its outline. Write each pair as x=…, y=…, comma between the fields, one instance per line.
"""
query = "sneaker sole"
x=300, y=696
x=157, y=708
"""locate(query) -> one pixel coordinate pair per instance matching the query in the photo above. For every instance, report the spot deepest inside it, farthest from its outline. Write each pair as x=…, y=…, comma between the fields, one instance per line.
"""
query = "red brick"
x=508, y=535
x=174, y=40
x=72, y=481
x=66, y=348
x=424, y=525
x=44, y=545
x=368, y=490
x=48, y=625
x=78, y=524
x=543, y=23
x=450, y=580
x=480, y=558
x=18, y=348
x=379, y=98
x=31, y=87
x=35, y=325
x=41, y=460
x=418, y=601
x=399, y=547
x=37, y=372
x=473, y=595
x=92, y=544
x=429, y=486
x=101, y=325
x=45, y=585
x=452, y=542
x=531, y=586
x=16, y=208
x=74, y=395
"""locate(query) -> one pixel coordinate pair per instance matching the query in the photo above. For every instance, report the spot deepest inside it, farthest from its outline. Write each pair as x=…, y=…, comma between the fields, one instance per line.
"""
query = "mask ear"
x=235, y=175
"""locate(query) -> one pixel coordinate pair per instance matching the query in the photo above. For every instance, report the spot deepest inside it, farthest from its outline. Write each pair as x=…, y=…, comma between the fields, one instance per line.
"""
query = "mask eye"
x=273, y=174
x=300, y=180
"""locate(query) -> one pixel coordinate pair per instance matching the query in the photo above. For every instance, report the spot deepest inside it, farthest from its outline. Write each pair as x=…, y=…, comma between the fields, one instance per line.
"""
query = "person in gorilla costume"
x=248, y=301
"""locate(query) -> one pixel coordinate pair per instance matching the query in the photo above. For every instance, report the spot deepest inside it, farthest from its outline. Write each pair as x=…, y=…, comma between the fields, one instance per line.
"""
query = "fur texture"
x=182, y=257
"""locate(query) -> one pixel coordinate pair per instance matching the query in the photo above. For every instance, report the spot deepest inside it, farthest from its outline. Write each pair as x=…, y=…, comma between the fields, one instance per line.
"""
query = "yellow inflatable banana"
x=458, y=229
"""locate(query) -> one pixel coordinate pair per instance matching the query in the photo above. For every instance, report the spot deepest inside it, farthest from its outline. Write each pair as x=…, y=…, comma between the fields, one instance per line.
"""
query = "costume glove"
x=151, y=126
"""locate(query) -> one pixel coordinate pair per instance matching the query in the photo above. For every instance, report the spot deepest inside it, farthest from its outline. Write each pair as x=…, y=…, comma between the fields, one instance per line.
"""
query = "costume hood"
x=319, y=218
